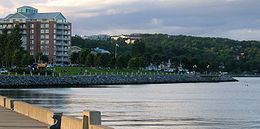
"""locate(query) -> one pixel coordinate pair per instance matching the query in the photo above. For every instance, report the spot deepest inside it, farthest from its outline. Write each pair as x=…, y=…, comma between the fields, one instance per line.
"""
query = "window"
x=46, y=31
x=54, y=41
x=42, y=41
x=46, y=53
x=32, y=25
x=42, y=47
x=54, y=31
x=42, y=25
x=46, y=25
x=54, y=47
x=31, y=47
x=42, y=31
x=31, y=53
x=31, y=36
x=54, y=53
x=54, y=25
x=46, y=36
x=54, y=36
x=47, y=47
x=47, y=41
x=42, y=36
x=31, y=41
x=32, y=31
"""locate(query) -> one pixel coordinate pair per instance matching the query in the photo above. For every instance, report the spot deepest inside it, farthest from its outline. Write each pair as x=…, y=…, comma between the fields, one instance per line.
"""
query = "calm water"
x=157, y=106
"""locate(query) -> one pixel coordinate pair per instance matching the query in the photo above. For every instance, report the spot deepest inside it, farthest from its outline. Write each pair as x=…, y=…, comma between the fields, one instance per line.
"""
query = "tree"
x=90, y=61
x=138, y=48
x=133, y=63
x=122, y=60
x=112, y=62
x=74, y=57
x=13, y=42
x=83, y=55
x=103, y=60
x=17, y=57
x=3, y=42
x=26, y=59
x=142, y=62
x=42, y=58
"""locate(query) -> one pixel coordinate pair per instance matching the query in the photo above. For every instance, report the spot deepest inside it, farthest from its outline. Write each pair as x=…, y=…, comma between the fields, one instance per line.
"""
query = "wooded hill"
x=194, y=53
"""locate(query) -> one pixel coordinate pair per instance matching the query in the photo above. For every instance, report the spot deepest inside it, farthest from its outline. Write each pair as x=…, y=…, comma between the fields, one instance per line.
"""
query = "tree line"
x=193, y=53
x=11, y=51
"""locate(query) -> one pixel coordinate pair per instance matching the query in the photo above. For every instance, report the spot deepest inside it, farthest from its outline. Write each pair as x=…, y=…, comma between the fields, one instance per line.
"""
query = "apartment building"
x=48, y=33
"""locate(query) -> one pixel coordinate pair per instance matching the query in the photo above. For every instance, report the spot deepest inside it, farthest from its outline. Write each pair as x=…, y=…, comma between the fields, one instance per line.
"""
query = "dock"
x=20, y=115
x=12, y=120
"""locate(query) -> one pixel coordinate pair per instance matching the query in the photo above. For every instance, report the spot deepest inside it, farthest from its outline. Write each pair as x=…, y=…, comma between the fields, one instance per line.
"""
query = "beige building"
x=48, y=33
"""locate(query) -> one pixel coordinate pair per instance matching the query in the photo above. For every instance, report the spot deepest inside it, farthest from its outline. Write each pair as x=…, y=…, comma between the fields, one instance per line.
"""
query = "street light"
x=116, y=54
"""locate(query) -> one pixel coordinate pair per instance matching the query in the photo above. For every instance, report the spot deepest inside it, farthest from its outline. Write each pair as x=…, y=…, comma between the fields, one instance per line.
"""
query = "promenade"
x=12, y=120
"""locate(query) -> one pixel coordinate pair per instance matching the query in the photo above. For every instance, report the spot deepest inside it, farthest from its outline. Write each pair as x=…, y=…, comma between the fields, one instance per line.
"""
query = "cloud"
x=237, y=19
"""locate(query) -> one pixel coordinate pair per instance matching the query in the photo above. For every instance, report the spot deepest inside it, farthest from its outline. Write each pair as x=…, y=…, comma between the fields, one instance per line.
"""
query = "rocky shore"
x=95, y=80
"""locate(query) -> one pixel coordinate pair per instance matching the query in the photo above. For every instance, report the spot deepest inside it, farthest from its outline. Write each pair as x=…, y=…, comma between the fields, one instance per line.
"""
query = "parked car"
x=3, y=71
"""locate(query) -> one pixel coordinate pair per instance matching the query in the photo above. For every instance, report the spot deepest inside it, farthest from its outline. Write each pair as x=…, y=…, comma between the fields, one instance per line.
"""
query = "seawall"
x=92, y=80
x=90, y=119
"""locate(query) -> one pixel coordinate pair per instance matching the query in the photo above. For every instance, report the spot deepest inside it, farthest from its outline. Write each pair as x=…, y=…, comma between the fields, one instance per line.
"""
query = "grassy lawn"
x=97, y=71
x=74, y=71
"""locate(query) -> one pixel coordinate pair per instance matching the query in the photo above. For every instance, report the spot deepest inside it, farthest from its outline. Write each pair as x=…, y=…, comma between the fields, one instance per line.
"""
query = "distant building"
x=98, y=50
x=75, y=49
x=97, y=37
x=48, y=33
x=127, y=39
x=115, y=37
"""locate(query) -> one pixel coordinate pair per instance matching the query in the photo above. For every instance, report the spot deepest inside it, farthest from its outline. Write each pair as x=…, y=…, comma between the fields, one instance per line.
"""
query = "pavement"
x=12, y=120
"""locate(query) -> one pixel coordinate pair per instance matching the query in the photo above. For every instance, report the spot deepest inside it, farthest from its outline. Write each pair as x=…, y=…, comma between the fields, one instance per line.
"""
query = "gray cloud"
x=237, y=19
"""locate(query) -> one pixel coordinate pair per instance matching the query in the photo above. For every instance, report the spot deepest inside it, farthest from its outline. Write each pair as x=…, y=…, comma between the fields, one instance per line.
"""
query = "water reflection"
x=194, y=105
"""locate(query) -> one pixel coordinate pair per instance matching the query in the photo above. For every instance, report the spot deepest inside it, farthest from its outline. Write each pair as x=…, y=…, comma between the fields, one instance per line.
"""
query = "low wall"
x=71, y=123
x=9, y=103
x=2, y=101
x=37, y=113
x=90, y=119
x=100, y=127
x=74, y=81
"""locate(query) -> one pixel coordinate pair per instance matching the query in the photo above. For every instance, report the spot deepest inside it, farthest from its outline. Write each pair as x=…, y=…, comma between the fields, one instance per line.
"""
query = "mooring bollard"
x=59, y=74
x=39, y=74
x=53, y=74
x=15, y=73
x=23, y=73
x=31, y=73
x=8, y=73
x=46, y=74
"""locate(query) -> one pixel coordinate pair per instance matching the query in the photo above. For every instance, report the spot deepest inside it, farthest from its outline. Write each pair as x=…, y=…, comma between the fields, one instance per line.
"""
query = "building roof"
x=29, y=7
x=36, y=15
x=40, y=15
x=98, y=50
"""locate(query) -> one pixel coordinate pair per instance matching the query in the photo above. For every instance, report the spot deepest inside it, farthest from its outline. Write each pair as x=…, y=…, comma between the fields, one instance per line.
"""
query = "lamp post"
x=116, y=54
x=194, y=67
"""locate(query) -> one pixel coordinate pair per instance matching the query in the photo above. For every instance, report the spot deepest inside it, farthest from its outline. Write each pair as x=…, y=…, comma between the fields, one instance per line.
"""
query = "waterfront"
x=180, y=105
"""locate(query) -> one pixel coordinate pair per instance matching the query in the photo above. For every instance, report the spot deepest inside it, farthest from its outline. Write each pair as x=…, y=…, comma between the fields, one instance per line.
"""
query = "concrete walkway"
x=12, y=120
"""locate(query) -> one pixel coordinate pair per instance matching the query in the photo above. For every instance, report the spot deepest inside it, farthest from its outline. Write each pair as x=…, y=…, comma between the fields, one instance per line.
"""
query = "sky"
x=235, y=19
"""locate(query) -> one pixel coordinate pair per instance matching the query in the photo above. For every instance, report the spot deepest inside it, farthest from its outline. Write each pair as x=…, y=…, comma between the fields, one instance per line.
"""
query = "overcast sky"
x=236, y=19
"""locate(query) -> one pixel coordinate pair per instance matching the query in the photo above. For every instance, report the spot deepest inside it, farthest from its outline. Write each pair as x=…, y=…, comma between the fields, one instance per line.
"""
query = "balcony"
x=59, y=44
x=63, y=60
x=60, y=49
x=59, y=38
x=62, y=54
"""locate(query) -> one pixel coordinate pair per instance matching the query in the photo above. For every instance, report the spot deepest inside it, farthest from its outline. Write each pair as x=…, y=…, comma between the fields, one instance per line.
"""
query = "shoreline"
x=96, y=81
